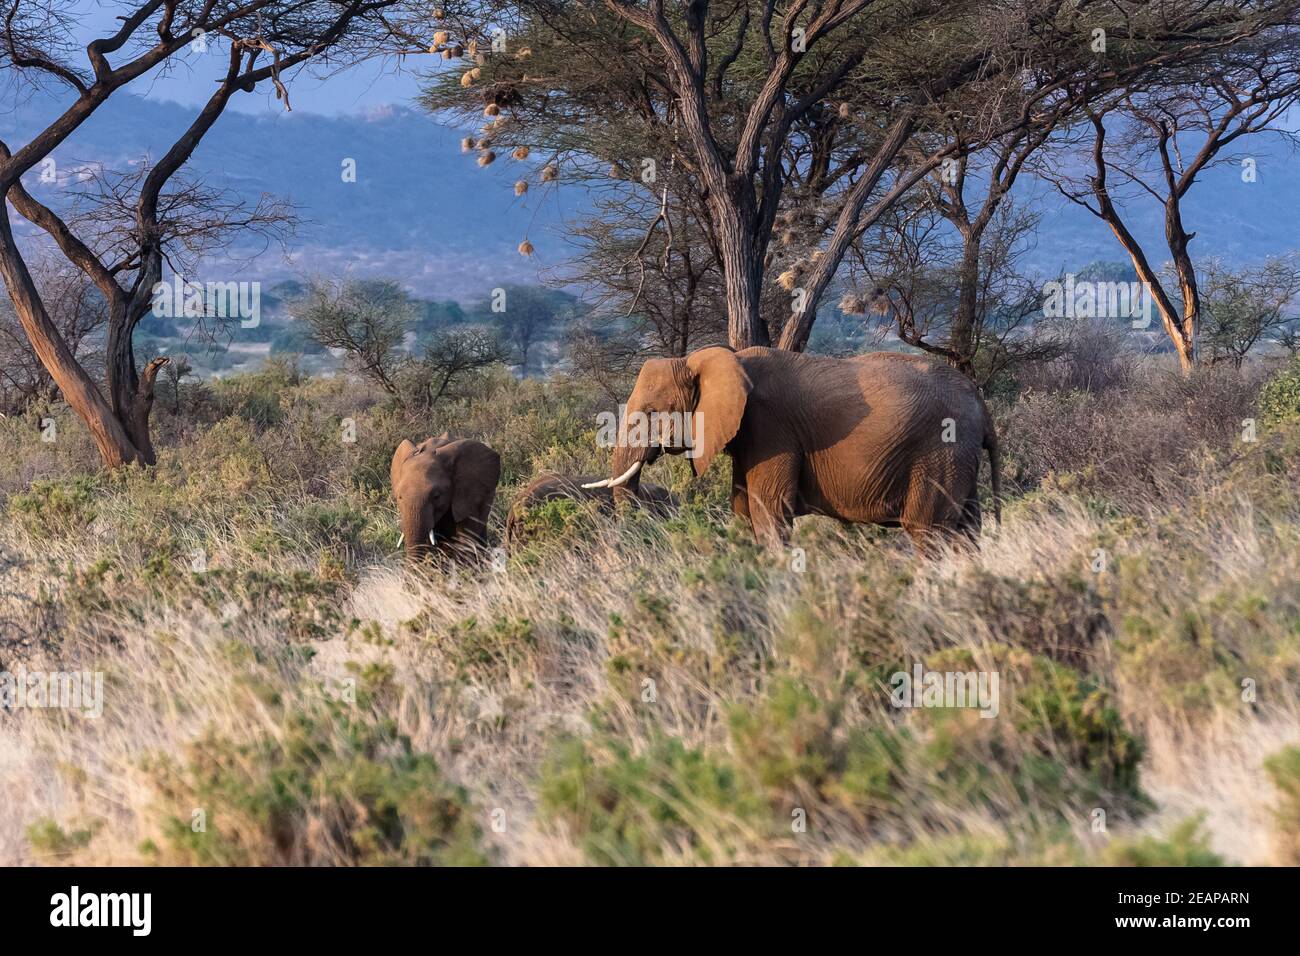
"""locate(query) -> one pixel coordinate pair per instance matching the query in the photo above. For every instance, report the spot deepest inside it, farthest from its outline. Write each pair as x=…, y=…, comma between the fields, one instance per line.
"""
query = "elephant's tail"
x=995, y=466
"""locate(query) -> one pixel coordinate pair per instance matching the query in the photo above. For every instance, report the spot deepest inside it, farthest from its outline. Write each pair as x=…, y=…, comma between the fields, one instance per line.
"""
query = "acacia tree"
x=77, y=311
x=981, y=271
x=914, y=271
x=1154, y=144
x=651, y=274
x=369, y=322
x=1240, y=306
x=266, y=41
x=799, y=112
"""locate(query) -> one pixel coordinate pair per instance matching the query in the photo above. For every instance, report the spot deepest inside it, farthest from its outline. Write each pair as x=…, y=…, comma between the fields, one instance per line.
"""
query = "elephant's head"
x=439, y=484
x=690, y=406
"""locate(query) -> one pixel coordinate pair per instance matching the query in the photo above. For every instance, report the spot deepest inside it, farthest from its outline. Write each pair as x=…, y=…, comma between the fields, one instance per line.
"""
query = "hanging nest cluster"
x=501, y=95
x=495, y=98
x=853, y=304
x=442, y=44
x=525, y=248
x=875, y=302
x=795, y=225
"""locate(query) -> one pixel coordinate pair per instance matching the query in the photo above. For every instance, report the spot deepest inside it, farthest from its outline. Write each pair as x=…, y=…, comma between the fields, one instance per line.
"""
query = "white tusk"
x=432, y=539
x=626, y=476
x=401, y=536
x=603, y=483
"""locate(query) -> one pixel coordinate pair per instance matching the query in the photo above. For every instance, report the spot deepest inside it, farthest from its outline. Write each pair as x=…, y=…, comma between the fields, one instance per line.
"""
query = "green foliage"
x=334, y=784
x=48, y=839
x=637, y=810
x=1284, y=770
x=481, y=650
x=555, y=522
x=1186, y=845
x=1279, y=399
x=52, y=508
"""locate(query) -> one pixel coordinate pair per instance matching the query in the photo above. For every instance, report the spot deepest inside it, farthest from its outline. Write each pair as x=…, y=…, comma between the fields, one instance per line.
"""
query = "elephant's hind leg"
x=971, y=520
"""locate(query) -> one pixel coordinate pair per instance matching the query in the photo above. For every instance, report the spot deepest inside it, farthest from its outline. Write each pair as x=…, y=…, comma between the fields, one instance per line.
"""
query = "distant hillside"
x=420, y=210
x=425, y=213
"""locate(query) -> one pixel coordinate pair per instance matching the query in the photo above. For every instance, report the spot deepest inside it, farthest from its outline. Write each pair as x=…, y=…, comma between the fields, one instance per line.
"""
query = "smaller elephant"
x=659, y=501
x=444, y=488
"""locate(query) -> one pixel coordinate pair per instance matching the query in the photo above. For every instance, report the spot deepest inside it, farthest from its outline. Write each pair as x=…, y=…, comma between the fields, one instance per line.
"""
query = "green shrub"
x=1284, y=770
x=555, y=522
x=1279, y=399
x=491, y=650
x=636, y=810
x=1186, y=845
x=48, y=839
x=333, y=784
x=57, y=507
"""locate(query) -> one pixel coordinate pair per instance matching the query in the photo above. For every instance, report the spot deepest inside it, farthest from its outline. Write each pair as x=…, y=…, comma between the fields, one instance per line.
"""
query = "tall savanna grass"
x=280, y=689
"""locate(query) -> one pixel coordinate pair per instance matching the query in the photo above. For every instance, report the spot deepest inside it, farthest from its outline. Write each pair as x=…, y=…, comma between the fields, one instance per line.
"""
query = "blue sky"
x=190, y=80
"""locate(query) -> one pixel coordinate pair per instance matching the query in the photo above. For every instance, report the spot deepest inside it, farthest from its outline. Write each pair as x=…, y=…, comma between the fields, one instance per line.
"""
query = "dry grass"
x=638, y=691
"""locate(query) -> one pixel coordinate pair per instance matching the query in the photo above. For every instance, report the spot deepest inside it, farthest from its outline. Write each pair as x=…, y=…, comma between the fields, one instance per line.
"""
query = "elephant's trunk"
x=627, y=466
x=417, y=528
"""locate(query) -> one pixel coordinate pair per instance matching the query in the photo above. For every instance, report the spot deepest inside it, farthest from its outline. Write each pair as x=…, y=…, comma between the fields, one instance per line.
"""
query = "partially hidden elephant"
x=445, y=487
x=657, y=500
x=883, y=438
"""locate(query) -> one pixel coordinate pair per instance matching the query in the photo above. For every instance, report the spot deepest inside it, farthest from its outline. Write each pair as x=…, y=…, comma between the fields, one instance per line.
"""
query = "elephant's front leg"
x=740, y=495
x=773, y=490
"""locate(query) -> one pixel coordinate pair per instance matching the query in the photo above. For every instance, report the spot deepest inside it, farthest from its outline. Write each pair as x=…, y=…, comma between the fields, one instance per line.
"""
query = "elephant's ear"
x=476, y=469
x=404, y=451
x=723, y=391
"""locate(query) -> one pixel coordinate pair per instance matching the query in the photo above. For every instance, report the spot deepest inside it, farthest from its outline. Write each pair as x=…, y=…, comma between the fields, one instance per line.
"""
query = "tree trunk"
x=79, y=391
x=742, y=271
x=961, y=337
x=119, y=427
x=1180, y=329
x=1187, y=323
x=850, y=224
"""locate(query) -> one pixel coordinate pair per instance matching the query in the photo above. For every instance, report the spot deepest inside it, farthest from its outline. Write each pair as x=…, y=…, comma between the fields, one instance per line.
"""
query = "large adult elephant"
x=444, y=488
x=885, y=438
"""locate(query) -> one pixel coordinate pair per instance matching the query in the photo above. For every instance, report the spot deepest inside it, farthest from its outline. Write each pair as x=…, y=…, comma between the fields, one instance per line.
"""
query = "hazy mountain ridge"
x=425, y=213
x=419, y=210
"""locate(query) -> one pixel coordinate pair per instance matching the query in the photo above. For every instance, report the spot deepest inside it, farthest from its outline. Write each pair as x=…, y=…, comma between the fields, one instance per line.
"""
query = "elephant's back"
x=550, y=487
